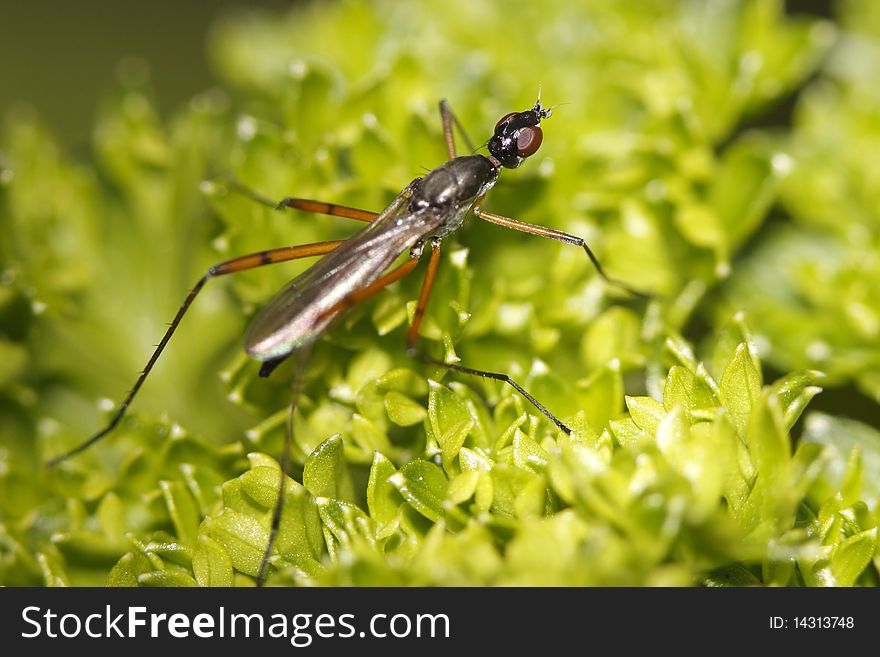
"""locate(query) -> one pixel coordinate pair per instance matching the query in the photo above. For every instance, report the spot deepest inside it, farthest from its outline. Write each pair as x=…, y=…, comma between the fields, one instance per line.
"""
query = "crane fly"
x=427, y=210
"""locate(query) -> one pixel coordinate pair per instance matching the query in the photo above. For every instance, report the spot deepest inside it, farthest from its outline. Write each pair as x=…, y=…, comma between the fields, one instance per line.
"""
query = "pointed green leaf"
x=326, y=472
x=794, y=393
x=732, y=334
x=211, y=565
x=692, y=391
x=740, y=386
x=402, y=410
x=528, y=454
x=182, y=509
x=244, y=538
x=509, y=483
x=128, y=569
x=383, y=500
x=646, y=412
x=423, y=486
x=452, y=439
x=446, y=410
x=463, y=487
x=852, y=556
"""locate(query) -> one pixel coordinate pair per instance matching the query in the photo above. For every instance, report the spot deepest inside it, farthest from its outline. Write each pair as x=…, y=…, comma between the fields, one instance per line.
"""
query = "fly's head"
x=517, y=136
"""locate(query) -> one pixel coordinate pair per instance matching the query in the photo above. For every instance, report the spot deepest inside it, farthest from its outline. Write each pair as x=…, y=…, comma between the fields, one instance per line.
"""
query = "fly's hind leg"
x=413, y=350
x=302, y=358
x=243, y=263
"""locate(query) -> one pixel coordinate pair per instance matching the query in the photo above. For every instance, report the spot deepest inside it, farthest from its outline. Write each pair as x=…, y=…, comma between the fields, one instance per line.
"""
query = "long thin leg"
x=350, y=213
x=559, y=236
x=305, y=204
x=302, y=358
x=243, y=263
x=308, y=205
x=413, y=350
x=449, y=119
x=412, y=335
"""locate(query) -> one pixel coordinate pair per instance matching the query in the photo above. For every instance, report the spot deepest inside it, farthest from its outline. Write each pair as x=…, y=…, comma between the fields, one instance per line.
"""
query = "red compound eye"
x=529, y=141
x=504, y=119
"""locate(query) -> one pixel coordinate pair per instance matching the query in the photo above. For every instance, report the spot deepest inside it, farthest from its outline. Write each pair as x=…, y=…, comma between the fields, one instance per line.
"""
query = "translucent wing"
x=300, y=312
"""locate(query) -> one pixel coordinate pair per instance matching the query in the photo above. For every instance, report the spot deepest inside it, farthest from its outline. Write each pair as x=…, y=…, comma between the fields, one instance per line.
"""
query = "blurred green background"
x=61, y=57
x=720, y=155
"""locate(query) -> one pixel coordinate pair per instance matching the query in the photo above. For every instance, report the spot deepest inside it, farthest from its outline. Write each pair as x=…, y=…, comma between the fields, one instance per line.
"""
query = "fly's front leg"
x=304, y=204
x=413, y=351
x=559, y=236
x=309, y=205
x=322, y=207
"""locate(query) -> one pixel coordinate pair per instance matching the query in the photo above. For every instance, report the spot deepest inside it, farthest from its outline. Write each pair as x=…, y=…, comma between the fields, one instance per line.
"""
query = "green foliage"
x=822, y=267
x=688, y=463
